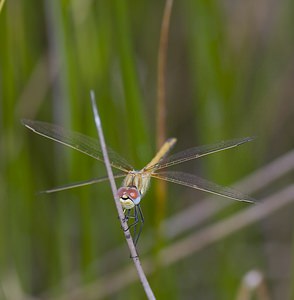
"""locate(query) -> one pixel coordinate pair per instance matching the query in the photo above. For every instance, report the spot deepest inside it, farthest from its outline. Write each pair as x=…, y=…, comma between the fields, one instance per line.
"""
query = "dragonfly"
x=136, y=182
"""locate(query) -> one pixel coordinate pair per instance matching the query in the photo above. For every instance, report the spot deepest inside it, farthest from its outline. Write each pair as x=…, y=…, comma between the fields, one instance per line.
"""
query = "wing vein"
x=198, y=183
x=200, y=151
x=77, y=141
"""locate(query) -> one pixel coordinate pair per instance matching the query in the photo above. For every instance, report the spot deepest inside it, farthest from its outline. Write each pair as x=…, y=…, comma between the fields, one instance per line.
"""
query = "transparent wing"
x=198, y=183
x=80, y=183
x=197, y=152
x=77, y=141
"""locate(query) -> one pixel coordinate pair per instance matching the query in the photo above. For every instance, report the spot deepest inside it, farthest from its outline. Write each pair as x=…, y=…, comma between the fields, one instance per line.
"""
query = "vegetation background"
x=230, y=72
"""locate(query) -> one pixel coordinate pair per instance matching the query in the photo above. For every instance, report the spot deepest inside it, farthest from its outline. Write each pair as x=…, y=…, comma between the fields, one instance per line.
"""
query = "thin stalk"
x=161, y=70
x=161, y=103
x=124, y=225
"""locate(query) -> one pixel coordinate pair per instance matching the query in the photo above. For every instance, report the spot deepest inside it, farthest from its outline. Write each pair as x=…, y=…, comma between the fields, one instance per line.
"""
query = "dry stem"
x=134, y=255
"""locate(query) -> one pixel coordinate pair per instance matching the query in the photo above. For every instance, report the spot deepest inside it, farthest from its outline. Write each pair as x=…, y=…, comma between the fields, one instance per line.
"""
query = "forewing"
x=80, y=183
x=198, y=183
x=78, y=141
x=197, y=152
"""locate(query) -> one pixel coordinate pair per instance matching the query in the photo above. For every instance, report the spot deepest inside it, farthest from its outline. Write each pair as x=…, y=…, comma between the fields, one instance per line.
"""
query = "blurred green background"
x=230, y=73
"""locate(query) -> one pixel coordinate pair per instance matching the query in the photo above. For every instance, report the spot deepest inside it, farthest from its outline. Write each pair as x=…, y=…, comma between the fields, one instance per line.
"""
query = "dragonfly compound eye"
x=135, y=195
x=123, y=193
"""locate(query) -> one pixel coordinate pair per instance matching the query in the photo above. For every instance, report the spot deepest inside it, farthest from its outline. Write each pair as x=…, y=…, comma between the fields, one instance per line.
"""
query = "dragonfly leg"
x=135, y=221
x=127, y=213
x=140, y=217
x=128, y=216
x=125, y=218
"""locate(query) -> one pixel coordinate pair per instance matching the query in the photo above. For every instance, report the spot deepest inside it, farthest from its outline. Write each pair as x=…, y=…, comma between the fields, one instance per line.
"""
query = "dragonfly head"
x=129, y=197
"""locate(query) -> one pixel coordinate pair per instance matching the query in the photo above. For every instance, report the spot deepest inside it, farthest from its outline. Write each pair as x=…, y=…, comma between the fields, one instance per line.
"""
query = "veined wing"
x=198, y=183
x=78, y=141
x=80, y=183
x=197, y=152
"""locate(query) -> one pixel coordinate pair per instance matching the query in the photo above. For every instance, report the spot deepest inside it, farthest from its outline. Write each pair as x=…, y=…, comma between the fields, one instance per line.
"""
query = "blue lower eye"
x=137, y=200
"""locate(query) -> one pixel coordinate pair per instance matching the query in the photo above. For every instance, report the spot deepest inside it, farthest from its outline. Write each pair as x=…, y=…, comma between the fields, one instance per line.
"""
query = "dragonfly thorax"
x=138, y=179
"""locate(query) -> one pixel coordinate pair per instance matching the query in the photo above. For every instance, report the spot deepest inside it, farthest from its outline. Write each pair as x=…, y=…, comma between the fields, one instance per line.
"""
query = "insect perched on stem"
x=136, y=183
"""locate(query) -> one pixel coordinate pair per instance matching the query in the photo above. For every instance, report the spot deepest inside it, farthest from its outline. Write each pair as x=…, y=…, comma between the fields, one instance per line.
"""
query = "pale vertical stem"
x=134, y=255
x=161, y=103
x=161, y=93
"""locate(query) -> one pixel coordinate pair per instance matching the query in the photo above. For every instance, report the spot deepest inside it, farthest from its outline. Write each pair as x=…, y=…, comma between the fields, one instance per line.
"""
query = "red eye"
x=133, y=193
x=121, y=191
